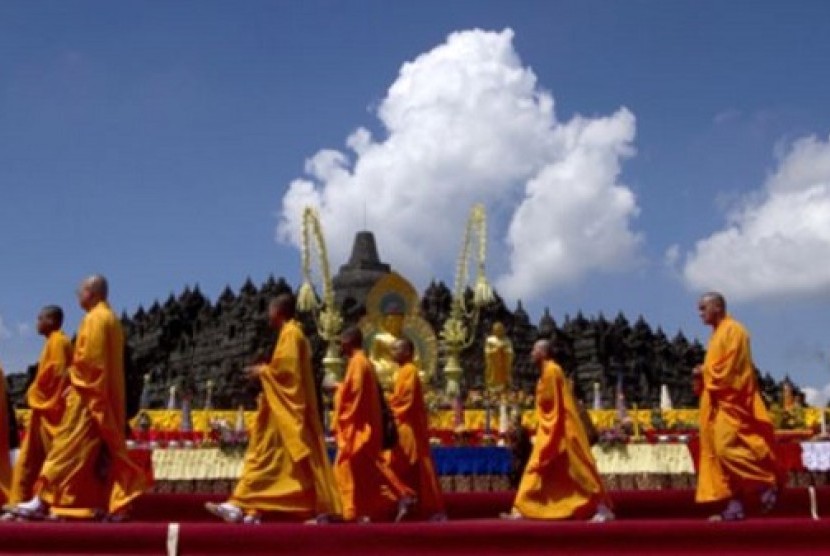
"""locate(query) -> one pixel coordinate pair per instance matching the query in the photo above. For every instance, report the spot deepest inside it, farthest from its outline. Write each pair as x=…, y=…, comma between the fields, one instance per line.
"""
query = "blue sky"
x=155, y=142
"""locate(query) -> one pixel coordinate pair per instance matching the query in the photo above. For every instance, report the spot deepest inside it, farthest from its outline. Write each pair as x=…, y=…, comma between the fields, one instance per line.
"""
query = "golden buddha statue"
x=392, y=313
x=498, y=359
x=380, y=351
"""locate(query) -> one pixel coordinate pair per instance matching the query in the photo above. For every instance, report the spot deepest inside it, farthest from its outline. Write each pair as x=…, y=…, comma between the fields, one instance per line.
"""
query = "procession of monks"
x=74, y=464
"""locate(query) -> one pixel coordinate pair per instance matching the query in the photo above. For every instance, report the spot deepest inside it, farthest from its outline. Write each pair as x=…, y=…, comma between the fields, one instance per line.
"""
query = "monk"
x=736, y=434
x=411, y=459
x=368, y=488
x=561, y=480
x=5, y=444
x=46, y=401
x=286, y=467
x=87, y=472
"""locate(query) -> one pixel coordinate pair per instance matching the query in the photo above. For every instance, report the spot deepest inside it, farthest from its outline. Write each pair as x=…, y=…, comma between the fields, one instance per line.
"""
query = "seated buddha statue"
x=381, y=349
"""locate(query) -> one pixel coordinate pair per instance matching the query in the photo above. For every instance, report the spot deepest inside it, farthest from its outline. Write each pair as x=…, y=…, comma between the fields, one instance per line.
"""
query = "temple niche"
x=187, y=340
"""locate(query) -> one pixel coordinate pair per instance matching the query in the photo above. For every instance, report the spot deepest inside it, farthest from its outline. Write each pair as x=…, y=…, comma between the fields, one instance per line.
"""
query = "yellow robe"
x=88, y=468
x=5, y=467
x=561, y=480
x=286, y=467
x=736, y=434
x=367, y=485
x=46, y=401
x=411, y=459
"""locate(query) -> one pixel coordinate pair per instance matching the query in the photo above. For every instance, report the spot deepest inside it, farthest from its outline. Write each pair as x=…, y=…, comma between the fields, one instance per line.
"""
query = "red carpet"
x=650, y=522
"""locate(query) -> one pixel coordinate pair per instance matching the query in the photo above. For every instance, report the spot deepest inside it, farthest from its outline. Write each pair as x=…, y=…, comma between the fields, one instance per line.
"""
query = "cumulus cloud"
x=467, y=122
x=817, y=396
x=776, y=243
x=672, y=256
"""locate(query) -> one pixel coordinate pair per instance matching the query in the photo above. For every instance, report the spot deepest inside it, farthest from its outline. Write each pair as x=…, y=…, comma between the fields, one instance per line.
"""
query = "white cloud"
x=817, y=397
x=5, y=333
x=725, y=116
x=672, y=256
x=466, y=122
x=776, y=243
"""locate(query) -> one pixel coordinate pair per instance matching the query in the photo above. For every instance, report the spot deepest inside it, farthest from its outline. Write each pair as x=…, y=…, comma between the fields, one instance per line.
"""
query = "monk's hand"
x=253, y=372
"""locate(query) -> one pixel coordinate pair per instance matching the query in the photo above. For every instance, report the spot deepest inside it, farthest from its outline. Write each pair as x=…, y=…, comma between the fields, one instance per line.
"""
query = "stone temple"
x=188, y=340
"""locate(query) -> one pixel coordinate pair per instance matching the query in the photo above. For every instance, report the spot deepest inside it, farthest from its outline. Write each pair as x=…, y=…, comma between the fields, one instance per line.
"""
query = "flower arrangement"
x=613, y=438
x=792, y=418
x=227, y=438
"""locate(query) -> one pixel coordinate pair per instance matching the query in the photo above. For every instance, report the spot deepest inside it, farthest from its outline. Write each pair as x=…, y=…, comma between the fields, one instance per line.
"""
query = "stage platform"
x=649, y=522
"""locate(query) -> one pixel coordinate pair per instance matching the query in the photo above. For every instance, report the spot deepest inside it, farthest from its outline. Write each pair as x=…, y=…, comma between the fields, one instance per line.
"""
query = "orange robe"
x=46, y=401
x=88, y=469
x=736, y=434
x=561, y=480
x=5, y=467
x=411, y=459
x=366, y=483
x=286, y=466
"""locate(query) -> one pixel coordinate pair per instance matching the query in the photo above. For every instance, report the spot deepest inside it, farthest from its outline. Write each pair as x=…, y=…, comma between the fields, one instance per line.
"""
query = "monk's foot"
x=734, y=512
x=512, y=515
x=121, y=516
x=769, y=498
x=363, y=520
x=603, y=515
x=33, y=510
x=405, y=505
x=324, y=519
x=226, y=512
x=252, y=519
x=439, y=517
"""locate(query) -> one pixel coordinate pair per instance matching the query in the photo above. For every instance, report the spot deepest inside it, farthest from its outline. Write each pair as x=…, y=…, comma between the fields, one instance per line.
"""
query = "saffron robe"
x=286, y=466
x=47, y=403
x=736, y=433
x=411, y=460
x=5, y=467
x=88, y=470
x=561, y=480
x=367, y=485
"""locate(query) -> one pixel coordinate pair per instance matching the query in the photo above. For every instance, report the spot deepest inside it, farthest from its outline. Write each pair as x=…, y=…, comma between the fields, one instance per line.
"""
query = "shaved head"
x=403, y=350
x=54, y=313
x=712, y=308
x=715, y=298
x=281, y=309
x=93, y=290
x=49, y=320
x=405, y=344
x=352, y=335
x=540, y=352
x=351, y=340
x=98, y=285
x=286, y=304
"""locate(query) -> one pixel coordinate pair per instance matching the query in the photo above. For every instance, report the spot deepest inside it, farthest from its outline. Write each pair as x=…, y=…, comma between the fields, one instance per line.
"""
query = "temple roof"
x=359, y=274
